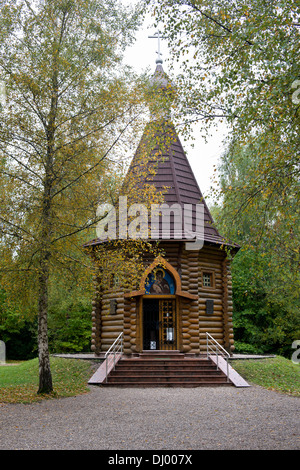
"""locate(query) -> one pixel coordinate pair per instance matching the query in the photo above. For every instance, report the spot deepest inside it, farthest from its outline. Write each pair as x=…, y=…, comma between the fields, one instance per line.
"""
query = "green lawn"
x=276, y=373
x=19, y=382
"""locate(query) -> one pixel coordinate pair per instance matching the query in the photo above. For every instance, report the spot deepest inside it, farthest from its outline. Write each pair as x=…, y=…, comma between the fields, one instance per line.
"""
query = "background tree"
x=239, y=64
x=266, y=277
x=69, y=104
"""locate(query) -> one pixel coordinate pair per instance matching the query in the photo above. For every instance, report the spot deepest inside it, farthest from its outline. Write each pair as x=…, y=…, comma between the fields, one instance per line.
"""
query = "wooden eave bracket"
x=134, y=293
x=187, y=295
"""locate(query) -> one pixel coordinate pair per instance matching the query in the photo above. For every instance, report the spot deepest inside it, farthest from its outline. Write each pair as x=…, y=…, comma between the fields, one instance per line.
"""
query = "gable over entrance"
x=149, y=276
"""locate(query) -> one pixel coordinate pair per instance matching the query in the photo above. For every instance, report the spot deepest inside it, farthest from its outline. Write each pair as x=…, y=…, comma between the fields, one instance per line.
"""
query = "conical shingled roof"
x=175, y=178
x=173, y=175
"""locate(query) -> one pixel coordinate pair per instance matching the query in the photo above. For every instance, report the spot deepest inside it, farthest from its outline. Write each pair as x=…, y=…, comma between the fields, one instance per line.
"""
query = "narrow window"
x=207, y=280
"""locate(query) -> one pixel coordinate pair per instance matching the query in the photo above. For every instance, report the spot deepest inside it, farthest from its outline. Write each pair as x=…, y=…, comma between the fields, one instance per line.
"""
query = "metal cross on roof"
x=159, y=54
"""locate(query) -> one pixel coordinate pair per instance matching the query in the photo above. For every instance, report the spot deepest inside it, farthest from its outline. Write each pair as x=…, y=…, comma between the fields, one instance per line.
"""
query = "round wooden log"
x=194, y=308
x=112, y=335
x=185, y=330
x=185, y=314
x=192, y=321
x=111, y=329
x=109, y=320
x=113, y=318
x=212, y=331
x=212, y=324
x=186, y=336
x=206, y=296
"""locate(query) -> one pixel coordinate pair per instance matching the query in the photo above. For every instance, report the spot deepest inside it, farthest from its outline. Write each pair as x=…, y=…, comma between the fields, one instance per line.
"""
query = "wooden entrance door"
x=159, y=324
x=167, y=321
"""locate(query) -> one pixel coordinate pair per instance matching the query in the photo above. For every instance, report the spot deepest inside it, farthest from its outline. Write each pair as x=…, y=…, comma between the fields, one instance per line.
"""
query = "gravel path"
x=155, y=419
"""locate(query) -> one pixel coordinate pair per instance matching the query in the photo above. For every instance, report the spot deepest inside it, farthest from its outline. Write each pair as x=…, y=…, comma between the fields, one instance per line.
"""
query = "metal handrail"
x=218, y=350
x=116, y=347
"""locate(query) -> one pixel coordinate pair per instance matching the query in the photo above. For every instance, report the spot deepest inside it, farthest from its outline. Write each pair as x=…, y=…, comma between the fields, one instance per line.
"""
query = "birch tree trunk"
x=45, y=377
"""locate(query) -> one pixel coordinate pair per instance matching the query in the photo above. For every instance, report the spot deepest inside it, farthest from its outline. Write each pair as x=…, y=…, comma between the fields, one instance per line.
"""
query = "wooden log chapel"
x=182, y=295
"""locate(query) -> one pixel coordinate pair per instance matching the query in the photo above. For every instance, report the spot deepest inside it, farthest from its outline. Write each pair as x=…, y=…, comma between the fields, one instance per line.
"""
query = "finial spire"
x=159, y=54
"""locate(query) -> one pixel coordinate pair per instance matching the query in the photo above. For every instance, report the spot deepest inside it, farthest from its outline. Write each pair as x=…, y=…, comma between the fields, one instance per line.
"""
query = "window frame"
x=211, y=273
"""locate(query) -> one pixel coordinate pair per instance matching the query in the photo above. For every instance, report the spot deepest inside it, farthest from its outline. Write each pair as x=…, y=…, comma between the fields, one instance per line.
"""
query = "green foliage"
x=239, y=63
x=70, y=323
x=17, y=330
x=266, y=270
x=245, y=348
x=69, y=104
x=263, y=320
x=22, y=344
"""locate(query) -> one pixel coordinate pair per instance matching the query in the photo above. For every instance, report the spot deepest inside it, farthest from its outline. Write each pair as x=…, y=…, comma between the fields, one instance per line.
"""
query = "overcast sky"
x=203, y=156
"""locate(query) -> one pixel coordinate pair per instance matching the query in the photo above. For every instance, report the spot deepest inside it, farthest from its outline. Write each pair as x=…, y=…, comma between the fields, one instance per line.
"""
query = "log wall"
x=211, y=261
x=193, y=321
x=96, y=318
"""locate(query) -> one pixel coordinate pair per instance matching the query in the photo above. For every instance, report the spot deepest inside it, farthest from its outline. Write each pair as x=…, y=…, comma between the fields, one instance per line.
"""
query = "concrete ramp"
x=234, y=376
x=100, y=374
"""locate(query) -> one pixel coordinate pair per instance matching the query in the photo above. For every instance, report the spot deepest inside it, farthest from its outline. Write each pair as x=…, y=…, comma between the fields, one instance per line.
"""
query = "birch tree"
x=69, y=104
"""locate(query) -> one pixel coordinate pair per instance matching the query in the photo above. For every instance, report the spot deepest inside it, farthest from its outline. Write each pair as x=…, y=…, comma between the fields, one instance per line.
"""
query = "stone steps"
x=165, y=369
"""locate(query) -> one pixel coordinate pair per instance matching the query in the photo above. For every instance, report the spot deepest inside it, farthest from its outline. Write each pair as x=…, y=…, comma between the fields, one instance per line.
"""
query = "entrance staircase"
x=165, y=369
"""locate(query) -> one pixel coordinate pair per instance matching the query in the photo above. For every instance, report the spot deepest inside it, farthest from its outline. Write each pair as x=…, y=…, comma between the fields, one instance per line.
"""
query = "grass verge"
x=276, y=373
x=19, y=383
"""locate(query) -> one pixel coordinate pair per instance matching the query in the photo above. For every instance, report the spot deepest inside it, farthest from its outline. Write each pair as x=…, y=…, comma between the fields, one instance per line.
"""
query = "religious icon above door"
x=159, y=282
